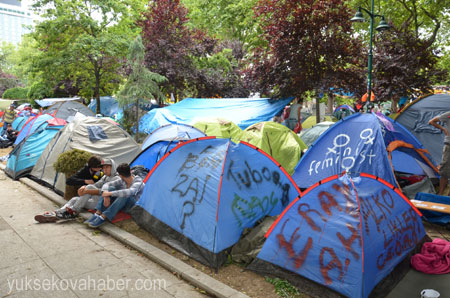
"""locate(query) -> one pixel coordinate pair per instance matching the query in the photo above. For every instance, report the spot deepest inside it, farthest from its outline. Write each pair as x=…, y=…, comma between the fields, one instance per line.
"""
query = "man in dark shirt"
x=90, y=174
x=11, y=133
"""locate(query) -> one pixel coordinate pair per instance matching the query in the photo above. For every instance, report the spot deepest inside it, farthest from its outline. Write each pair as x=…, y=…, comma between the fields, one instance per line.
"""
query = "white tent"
x=98, y=136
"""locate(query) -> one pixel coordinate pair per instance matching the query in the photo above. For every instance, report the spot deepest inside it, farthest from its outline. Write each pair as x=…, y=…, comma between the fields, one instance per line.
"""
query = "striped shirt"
x=119, y=188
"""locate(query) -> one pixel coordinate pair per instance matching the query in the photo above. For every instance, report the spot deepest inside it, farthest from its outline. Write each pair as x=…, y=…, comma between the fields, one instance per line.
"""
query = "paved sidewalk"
x=69, y=259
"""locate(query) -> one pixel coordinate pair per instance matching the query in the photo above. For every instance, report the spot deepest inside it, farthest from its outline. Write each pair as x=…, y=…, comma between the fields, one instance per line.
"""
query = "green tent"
x=220, y=128
x=311, y=121
x=276, y=140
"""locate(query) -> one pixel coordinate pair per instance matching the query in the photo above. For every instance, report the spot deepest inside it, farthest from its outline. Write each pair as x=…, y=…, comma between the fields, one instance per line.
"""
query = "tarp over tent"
x=276, y=140
x=204, y=192
x=172, y=132
x=219, y=127
x=95, y=135
x=25, y=155
x=360, y=143
x=67, y=110
x=109, y=106
x=241, y=111
x=345, y=233
x=416, y=115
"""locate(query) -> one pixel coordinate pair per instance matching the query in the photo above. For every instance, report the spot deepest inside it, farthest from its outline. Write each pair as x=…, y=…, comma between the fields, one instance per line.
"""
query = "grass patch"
x=283, y=288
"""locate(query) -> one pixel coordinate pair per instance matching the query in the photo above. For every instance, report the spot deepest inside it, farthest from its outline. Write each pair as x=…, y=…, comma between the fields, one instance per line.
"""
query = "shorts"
x=444, y=169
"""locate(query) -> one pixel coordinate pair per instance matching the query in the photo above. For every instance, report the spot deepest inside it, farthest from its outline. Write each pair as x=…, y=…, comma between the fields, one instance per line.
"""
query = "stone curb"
x=170, y=263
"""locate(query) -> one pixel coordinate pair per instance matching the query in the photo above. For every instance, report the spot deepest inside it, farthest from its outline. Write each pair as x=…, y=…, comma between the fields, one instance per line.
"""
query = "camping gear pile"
x=340, y=225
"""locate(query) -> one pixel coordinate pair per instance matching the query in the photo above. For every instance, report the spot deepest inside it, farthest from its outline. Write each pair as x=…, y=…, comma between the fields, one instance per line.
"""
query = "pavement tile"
x=14, y=250
x=79, y=261
x=183, y=290
x=4, y=225
x=9, y=276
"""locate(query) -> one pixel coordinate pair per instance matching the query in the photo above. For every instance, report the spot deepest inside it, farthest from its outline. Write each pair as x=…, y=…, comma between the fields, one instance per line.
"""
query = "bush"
x=71, y=161
x=15, y=93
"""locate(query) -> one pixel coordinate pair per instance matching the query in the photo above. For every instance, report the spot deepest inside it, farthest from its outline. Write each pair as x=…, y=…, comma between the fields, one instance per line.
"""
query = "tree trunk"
x=137, y=120
x=97, y=89
x=330, y=103
x=317, y=109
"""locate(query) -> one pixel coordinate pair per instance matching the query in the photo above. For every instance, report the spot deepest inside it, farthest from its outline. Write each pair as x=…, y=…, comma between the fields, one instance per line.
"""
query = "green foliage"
x=16, y=93
x=283, y=288
x=71, y=161
x=39, y=90
x=84, y=42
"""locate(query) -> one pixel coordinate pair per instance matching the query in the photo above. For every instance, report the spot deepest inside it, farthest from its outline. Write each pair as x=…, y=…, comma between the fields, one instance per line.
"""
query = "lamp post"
x=359, y=17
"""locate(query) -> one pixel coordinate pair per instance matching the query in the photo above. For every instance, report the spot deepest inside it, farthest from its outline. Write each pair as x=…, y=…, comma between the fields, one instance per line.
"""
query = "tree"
x=142, y=83
x=404, y=64
x=84, y=41
x=194, y=63
x=311, y=47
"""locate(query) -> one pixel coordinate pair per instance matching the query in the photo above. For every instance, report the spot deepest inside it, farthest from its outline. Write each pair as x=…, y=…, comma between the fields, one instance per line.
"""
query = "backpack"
x=140, y=171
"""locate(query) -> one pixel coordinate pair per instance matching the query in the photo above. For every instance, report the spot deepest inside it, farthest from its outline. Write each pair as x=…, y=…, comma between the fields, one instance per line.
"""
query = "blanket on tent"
x=434, y=257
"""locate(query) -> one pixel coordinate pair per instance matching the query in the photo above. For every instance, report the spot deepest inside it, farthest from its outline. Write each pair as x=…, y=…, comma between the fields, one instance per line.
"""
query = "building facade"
x=14, y=20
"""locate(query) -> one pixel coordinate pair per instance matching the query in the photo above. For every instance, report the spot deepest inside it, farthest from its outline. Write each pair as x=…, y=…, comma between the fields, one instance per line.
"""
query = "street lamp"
x=359, y=17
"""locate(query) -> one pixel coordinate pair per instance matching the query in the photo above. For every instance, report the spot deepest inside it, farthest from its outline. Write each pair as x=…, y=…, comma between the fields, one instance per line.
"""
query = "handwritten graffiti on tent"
x=358, y=144
x=345, y=233
x=354, y=145
x=202, y=194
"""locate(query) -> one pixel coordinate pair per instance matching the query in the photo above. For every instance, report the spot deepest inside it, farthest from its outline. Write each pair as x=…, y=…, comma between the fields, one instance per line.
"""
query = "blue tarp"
x=242, y=111
x=109, y=106
x=347, y=234
x=210, y=189
x=434, y=216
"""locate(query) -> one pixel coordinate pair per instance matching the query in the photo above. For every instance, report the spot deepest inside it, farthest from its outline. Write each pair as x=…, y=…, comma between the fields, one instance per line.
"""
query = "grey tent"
x=309, y=135
x=96, y=135
x=415, y=117
x=67, y=110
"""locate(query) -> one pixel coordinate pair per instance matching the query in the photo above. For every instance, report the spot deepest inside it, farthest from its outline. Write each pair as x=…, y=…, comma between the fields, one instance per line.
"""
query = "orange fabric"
x=364, y=97
x=395, y=144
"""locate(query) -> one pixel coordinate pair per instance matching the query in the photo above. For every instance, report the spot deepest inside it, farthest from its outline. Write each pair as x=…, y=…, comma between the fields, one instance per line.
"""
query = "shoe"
x=66, y=215
x=90, y=219
x=46, y=217
x=97, y=222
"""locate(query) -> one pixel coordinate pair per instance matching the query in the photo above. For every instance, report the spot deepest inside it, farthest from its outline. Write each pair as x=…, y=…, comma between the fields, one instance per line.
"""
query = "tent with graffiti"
x=162, y=140
x=241, y=111
x=276, y=140
x=369, y=143
x=345, y=233
x=98, y=136
x=416, y=115
x=68, y=110
x=219, y=127
x=203, y=193
x=25, y=155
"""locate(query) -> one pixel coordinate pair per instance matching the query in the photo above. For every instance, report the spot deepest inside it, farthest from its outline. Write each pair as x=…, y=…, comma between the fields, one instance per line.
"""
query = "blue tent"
x=32, y=125
x=242, y=111
x=203, y=193
x=345, y=233
x=172, y=132
x=19, y=122
x=358, y=144
x=25, y=155
x=109, y=106
x=152, y=154
x=434, y=216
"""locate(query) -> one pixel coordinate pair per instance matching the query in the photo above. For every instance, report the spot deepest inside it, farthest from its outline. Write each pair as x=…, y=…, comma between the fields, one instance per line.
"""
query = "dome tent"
x=276, y=140
x=95, y=135
x=219, y=127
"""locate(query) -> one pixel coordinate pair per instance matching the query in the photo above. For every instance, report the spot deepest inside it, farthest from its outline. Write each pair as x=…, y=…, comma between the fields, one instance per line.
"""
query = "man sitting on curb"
x=90, y=174
x=120, y=194
x=89, y=195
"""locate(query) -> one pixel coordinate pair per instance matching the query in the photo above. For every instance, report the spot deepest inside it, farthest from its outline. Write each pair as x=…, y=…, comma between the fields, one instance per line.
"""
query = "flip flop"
x=46, y=217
